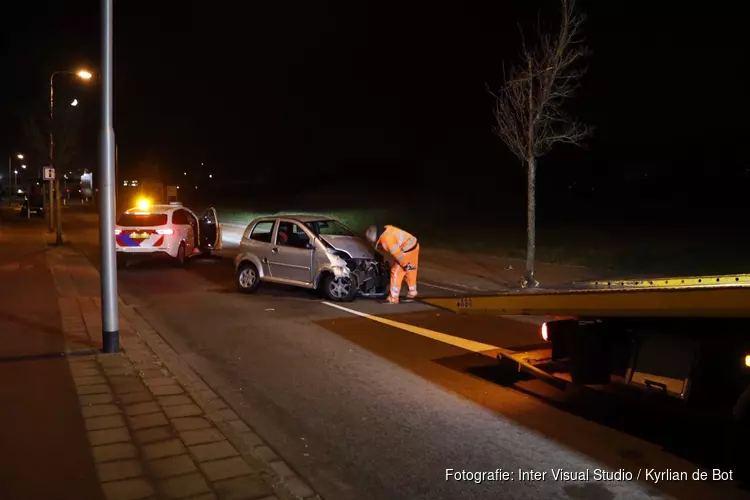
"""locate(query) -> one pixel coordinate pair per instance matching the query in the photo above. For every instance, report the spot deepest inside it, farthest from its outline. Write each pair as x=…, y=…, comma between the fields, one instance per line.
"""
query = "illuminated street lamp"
x=23, y=166
x=74, y=103
x=83, y=75
x=10, y=176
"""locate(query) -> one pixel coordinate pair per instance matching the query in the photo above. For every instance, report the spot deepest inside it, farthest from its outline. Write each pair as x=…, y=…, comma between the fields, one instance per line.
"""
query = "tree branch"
x=536, y=89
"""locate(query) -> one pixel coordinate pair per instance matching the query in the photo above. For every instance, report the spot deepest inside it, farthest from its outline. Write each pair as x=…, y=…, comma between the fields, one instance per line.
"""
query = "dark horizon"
x=364, y=93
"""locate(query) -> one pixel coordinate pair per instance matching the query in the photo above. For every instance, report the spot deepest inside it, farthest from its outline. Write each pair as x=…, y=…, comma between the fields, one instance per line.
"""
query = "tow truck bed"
x=687, y=338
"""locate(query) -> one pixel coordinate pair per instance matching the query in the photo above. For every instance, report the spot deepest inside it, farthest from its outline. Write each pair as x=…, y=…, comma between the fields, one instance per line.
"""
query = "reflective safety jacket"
x=397, y=242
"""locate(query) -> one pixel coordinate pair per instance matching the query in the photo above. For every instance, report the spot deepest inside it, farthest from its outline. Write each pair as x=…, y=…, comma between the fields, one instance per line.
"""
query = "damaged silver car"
x=312, y=252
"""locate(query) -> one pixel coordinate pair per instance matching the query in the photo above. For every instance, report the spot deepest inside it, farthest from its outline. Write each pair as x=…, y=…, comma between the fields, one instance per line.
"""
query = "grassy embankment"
x=634, y=251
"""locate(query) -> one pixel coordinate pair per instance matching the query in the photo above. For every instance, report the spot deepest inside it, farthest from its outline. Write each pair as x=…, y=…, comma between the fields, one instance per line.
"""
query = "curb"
x=282, y=479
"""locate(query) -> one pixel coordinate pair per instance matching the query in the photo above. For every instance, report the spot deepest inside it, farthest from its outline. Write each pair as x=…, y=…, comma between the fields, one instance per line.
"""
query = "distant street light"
x=74, y=103
x=23, y=166
x=15, y=172
x=210, y=176
x=83, y=75
x=10, y=175
x=184, y=173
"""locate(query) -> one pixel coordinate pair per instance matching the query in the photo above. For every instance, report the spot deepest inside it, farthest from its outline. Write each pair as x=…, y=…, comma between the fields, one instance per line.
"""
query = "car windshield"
x=329, y=228
x=142, y=220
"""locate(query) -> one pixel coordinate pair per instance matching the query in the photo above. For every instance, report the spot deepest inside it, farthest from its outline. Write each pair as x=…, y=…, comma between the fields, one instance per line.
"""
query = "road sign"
x=49, y=174
x=172, y=191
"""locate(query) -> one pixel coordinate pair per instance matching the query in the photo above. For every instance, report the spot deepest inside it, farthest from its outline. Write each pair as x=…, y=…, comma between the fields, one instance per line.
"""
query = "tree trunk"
x=529, y=277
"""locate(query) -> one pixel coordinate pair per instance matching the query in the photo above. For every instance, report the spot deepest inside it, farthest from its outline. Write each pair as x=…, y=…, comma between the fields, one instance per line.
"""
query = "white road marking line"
x=462, y=343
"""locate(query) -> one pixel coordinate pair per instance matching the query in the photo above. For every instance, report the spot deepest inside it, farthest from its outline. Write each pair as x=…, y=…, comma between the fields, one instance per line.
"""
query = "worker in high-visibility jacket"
x=404, y=248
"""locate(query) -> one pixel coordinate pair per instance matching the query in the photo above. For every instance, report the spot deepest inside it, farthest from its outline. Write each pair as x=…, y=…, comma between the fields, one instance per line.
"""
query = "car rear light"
x=118, y=231
x=165, y=231
x=545, y=333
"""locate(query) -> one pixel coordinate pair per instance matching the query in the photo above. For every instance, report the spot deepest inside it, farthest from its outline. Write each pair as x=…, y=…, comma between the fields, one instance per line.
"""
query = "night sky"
x=358, y=90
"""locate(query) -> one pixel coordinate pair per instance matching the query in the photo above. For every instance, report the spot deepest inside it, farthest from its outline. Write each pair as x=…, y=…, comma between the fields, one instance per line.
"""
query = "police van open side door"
x=210, y=230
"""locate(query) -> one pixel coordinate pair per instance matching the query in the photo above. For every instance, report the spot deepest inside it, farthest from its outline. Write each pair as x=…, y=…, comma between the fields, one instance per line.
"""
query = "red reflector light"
x=164, y=231
x=545, y=334
x=118, y=231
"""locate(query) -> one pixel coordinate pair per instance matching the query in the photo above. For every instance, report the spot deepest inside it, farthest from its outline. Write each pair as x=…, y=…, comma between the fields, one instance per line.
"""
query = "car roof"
x=301, y=218
x=155, y=209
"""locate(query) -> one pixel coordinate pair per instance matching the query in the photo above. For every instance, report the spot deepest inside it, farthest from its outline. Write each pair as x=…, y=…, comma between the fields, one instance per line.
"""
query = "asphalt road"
x=368, y=410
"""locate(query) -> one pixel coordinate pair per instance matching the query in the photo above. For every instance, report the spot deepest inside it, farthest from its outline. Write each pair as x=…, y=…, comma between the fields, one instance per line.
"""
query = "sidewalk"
x=135, y=425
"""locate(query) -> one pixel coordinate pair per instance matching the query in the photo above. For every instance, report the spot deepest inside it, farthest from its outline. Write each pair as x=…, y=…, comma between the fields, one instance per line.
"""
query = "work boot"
x=390, y=301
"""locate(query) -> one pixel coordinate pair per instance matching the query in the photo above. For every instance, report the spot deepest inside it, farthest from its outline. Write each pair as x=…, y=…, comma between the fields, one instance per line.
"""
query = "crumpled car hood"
x=356, y=247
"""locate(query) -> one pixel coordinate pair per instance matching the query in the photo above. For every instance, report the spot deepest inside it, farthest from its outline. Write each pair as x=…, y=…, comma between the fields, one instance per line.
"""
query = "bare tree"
x=66, y=128
x=529, y=112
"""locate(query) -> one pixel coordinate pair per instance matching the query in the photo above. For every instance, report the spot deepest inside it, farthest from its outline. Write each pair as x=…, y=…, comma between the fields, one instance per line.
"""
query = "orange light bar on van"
x=165, y=231
x=747, y=360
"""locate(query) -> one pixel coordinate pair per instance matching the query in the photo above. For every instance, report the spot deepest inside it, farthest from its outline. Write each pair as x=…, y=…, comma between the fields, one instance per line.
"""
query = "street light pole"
x=85, y=75
x=110, y=323
x=51, y=206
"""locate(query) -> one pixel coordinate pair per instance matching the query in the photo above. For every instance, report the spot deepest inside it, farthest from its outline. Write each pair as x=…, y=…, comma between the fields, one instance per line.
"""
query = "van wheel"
x=338, y=289
x=248, y=279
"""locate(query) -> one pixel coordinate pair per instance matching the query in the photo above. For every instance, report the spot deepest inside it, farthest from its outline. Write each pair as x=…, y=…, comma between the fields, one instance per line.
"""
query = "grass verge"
x=629, y=251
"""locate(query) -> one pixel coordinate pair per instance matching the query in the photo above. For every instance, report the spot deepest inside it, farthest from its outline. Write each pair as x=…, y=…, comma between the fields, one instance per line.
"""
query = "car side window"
x=262, y=231
x=180, y=217
x=291, y=235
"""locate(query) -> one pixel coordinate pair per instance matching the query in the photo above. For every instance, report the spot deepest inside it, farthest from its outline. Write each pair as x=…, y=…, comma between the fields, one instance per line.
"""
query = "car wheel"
x=338, y=289
x=248, y=279
x=180, y=259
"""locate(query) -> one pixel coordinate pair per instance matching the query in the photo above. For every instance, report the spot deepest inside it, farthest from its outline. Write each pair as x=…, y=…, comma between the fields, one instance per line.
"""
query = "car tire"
x=247, y=278
x=338, y=289
x=181, y=259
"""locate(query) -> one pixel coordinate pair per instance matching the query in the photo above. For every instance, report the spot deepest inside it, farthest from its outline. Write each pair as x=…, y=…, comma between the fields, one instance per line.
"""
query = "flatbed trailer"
x=686, y=338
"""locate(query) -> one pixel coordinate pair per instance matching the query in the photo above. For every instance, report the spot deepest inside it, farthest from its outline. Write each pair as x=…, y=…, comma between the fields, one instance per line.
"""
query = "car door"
x=258, y=242
x=186, y=231
x=291, y=254
x=210, y=230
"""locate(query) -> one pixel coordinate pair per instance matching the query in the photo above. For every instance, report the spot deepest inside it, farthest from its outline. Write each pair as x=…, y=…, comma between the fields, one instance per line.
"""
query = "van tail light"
x=118, y=231
x=165, y=231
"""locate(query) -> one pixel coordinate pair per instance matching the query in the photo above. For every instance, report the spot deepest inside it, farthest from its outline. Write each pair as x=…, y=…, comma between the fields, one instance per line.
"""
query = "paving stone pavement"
x=156, y=429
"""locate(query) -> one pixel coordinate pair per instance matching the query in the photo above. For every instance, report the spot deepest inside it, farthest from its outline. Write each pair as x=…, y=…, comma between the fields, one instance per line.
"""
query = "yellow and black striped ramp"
x=694, y=302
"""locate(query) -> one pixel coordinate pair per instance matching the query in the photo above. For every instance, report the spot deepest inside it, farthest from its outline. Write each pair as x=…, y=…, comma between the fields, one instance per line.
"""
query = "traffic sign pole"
x=49, y=175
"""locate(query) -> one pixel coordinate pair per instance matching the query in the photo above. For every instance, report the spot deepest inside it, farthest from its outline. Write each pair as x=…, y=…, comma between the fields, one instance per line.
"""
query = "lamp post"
x=110, y=312
x=55, y=189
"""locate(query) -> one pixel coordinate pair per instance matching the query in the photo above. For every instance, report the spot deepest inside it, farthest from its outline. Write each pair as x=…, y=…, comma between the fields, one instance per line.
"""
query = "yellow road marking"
x=462, y=343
